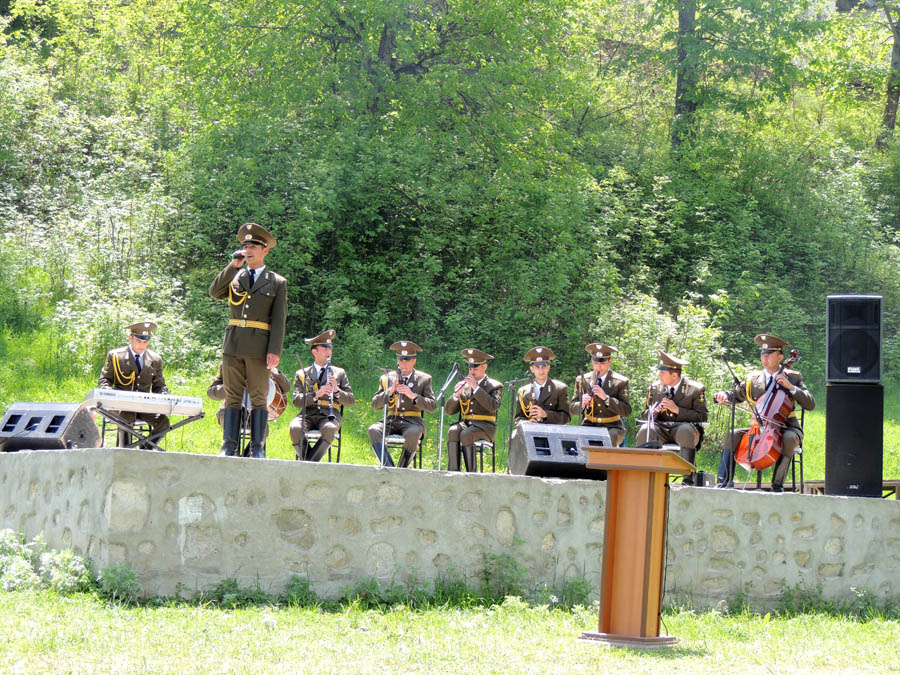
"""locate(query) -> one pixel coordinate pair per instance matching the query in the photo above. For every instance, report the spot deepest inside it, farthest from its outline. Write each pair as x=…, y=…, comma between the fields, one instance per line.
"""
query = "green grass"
x=42, y=632
x=33, y=371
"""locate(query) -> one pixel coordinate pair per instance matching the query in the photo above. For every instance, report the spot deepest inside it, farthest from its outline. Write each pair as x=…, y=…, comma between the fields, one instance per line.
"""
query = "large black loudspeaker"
x=47, y=426
x=554, y=450
x=853, y=339
x=853, y=439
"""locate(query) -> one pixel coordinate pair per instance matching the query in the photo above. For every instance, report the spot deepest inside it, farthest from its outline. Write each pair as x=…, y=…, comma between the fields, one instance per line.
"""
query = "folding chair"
x=396, y=441
x=313, y=436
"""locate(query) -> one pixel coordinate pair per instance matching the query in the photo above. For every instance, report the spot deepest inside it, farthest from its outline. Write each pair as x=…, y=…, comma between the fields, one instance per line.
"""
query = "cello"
x=760, y=447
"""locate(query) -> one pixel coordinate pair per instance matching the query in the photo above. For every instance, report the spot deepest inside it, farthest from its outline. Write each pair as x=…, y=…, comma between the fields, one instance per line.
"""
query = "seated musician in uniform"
x=601, y=397
x=216, y=392
x=408, y=396
x=477, y=399
x=757, y=384
x=136, y=368
x=319, y=391
x=676, y=406
x=545, y=401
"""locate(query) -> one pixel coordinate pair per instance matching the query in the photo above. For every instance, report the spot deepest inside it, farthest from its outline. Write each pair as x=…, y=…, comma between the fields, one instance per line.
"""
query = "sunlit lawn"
x=45, y=633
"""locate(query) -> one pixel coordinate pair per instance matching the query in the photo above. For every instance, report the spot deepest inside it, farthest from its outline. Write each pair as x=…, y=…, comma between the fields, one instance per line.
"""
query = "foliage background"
x=497, y=174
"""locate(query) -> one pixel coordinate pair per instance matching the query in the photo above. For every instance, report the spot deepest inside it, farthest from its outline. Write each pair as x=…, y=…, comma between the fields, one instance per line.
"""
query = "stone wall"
x=184, y=522
x=725, y=543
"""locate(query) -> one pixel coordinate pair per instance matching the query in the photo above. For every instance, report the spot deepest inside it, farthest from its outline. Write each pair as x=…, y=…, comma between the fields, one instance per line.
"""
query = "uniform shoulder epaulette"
x=618, y=377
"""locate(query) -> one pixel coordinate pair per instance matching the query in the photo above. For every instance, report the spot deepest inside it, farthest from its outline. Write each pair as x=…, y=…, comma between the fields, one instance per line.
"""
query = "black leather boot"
x=452, y=456
x=231, y=429
x=317, y=452
x=406, y=459
x=259, y=418
x=468, y=453
x=725, y=475
x=689, y=455
x=382, y=454
x=782, y=464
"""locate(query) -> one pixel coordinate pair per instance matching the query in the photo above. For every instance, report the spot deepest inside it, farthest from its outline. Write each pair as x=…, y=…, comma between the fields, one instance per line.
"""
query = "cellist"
x=757, y=384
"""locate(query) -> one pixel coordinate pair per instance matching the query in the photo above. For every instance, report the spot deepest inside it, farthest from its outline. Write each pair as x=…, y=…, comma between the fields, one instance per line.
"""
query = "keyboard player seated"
x=136, y=368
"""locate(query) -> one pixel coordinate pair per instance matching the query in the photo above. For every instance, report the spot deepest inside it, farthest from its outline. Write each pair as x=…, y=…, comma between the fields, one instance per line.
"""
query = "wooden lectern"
x=634, y=543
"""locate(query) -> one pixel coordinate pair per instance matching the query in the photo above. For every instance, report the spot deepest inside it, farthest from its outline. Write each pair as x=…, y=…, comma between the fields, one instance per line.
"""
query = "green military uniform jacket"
x=754, y=387
x=307, y=384
x=690, y=397
x=478, y=408
x=608, y=413
x=120, y=372
x=410, y=409
x=554, y=400
x=265, y=303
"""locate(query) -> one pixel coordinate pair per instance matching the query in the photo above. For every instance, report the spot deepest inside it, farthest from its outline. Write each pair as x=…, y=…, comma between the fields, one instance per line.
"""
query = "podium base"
x=633, y=641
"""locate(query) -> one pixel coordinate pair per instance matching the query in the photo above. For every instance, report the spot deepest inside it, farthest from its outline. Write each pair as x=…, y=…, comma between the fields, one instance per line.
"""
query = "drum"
x=276, y=402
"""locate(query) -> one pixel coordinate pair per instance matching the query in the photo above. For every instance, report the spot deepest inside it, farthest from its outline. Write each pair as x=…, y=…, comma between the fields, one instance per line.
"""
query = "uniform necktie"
x=671, y=392
x=252, y=277
x=322, y=376
x=137, y=361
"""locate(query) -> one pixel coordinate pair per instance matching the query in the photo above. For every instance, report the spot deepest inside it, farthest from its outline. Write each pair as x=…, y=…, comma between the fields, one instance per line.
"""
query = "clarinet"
x=328, y=376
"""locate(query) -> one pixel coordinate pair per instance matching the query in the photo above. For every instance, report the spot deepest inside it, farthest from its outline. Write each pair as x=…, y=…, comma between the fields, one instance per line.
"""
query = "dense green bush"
x=25, y=566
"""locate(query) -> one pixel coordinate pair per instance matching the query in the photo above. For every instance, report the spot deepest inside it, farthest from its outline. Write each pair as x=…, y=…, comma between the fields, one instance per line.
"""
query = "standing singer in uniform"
x=257, y=302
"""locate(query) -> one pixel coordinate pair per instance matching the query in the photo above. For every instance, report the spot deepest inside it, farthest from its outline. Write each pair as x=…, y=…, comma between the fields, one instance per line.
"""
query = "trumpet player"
x=319, y=391
x=544, y=401
x=676, y=407
x=601, y=397
x=408, y=396
x=477, y=399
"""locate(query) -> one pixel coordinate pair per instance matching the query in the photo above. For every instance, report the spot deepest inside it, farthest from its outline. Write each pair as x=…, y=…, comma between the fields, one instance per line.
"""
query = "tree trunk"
x=889, y=120
x=686, y=79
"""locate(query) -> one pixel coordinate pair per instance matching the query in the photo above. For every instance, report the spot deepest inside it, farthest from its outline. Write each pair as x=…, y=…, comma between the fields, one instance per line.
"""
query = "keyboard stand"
x=142, y=439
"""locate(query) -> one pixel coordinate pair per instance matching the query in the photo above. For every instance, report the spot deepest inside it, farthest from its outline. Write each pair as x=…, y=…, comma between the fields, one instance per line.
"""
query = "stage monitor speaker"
x=853, y=338
x=47, y=426
x=853, y=439
x=554, y=450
